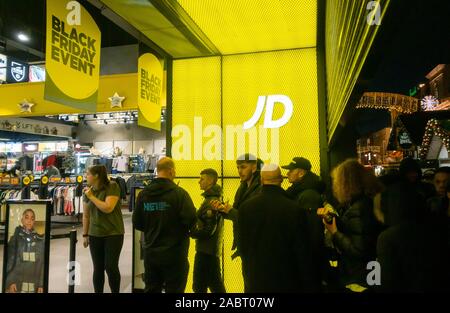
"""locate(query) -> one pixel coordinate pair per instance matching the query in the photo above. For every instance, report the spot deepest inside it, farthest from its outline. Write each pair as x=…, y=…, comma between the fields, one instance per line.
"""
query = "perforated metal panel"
x=237, y=26
x=348, y=38
x=199, y=92
x=291, y=73
x=196, y=93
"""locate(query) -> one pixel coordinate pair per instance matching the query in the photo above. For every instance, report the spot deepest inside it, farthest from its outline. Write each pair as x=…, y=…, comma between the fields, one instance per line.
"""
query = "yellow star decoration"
x=116, y=101
x=25, y=106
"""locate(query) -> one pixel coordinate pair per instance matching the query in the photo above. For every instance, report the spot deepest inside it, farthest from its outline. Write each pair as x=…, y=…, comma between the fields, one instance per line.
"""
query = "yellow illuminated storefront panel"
x=292, y=76
x=243, y=26
x=196, y=102
x=265, y=103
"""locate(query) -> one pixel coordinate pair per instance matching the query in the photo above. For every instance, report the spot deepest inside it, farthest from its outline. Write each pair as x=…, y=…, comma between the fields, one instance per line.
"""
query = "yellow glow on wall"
x=211, y=87
x=12, y=94
x=291, y=73
x=238, y=26
x=348, y=39
x=196, y=92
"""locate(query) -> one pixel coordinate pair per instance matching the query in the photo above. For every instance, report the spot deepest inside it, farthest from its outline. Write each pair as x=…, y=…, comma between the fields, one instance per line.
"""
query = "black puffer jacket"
x=308, y=194
x=243, y=193
x=356, y=240
x=209, y=228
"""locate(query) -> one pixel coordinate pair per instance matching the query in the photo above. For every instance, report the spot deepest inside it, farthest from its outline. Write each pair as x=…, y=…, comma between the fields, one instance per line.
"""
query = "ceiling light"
x=23, y=37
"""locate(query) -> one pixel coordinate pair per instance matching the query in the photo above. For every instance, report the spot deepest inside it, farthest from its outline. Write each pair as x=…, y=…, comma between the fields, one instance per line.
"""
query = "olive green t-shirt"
x=105, y=224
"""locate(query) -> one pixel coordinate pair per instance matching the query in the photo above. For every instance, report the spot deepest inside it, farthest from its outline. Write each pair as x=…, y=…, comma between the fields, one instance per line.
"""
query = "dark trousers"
x=105, y=252
x=165, y=273
x=207, y=274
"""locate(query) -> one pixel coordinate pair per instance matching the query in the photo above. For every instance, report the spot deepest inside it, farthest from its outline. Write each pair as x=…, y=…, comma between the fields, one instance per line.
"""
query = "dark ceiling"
x=29, y=16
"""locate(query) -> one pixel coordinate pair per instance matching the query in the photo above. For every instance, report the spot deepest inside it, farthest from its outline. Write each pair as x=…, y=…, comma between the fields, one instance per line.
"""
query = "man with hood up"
x=165, y=213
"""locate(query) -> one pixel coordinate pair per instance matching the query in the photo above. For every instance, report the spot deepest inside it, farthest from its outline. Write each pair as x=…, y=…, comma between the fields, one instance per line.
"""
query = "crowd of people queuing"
x=310, y=237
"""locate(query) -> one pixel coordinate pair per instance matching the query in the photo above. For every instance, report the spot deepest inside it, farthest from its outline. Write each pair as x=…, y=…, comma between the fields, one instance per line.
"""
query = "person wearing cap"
x=307, y=189
x=248, y=167
x=274, y=244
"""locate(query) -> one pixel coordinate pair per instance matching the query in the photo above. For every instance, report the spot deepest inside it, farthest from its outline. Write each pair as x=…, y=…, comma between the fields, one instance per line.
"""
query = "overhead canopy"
x=186, y=28
x=250, y=26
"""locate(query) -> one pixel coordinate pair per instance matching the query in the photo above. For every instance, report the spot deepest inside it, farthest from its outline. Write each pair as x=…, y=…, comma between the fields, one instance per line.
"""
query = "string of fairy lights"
x=433, y=128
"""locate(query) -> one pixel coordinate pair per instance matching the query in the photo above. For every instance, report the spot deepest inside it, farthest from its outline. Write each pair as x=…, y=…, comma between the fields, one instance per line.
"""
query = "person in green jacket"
x=103, y=227
x=209, y=237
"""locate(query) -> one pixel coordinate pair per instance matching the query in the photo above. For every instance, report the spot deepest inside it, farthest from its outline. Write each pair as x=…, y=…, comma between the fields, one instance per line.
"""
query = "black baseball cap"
x=298, y=162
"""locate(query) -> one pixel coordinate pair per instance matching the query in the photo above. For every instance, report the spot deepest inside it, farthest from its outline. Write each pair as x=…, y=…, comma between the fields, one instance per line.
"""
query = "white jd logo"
x=74, y=16
x=268, y=122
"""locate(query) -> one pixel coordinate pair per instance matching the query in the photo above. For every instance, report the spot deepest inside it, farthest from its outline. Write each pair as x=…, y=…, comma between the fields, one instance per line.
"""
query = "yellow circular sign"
x=73, y=51
x=44, y=180
x=31, y=177
x=80, y=179
x=26, y=181
x=150, y=81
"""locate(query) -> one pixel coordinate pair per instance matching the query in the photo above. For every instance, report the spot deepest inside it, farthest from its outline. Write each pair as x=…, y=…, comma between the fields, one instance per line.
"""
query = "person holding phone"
x=103, y=227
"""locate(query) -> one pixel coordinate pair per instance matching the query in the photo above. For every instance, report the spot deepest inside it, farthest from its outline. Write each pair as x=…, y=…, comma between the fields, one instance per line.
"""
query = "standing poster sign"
x=27, y=246
x=72, y=55
x=150, y=80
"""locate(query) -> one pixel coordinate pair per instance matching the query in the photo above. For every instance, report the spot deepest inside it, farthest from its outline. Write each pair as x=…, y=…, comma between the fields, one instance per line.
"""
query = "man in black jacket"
x=209, y=237
x=307, y=189
x=249, y=172
x=165, y=213
x=274, y=241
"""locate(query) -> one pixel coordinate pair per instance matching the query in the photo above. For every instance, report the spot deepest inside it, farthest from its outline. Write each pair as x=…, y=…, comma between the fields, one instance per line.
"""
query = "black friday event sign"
x=72, y=55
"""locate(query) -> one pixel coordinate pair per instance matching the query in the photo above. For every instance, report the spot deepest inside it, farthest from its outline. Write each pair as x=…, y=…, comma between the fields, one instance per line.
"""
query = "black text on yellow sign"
x=150, y=87
x=72, y=48
x=150, y=83
x=72, y=55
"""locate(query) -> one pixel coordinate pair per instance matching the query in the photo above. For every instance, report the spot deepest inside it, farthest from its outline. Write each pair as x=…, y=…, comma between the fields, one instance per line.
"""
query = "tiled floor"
x=59, y=257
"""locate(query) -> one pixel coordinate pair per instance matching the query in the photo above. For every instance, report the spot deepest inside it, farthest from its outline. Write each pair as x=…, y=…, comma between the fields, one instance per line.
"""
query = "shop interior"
x=62, y=146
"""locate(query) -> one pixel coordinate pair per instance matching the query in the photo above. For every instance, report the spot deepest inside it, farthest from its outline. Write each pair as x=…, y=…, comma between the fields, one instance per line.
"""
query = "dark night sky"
x=412, y=40
x=416, y=39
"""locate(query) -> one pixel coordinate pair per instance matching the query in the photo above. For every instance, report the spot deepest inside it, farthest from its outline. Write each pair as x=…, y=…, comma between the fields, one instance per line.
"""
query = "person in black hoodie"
x=249, y=172
x=307, y=190
x=209, y=237
x=274, y=244
x=165, y=213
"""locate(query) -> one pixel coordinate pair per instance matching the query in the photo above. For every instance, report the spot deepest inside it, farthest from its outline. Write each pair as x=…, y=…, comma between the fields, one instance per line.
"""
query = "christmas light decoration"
x=433, y=128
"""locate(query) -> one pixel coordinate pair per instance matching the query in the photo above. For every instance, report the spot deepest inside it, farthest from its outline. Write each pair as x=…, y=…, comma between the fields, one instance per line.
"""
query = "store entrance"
x=62, y=148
